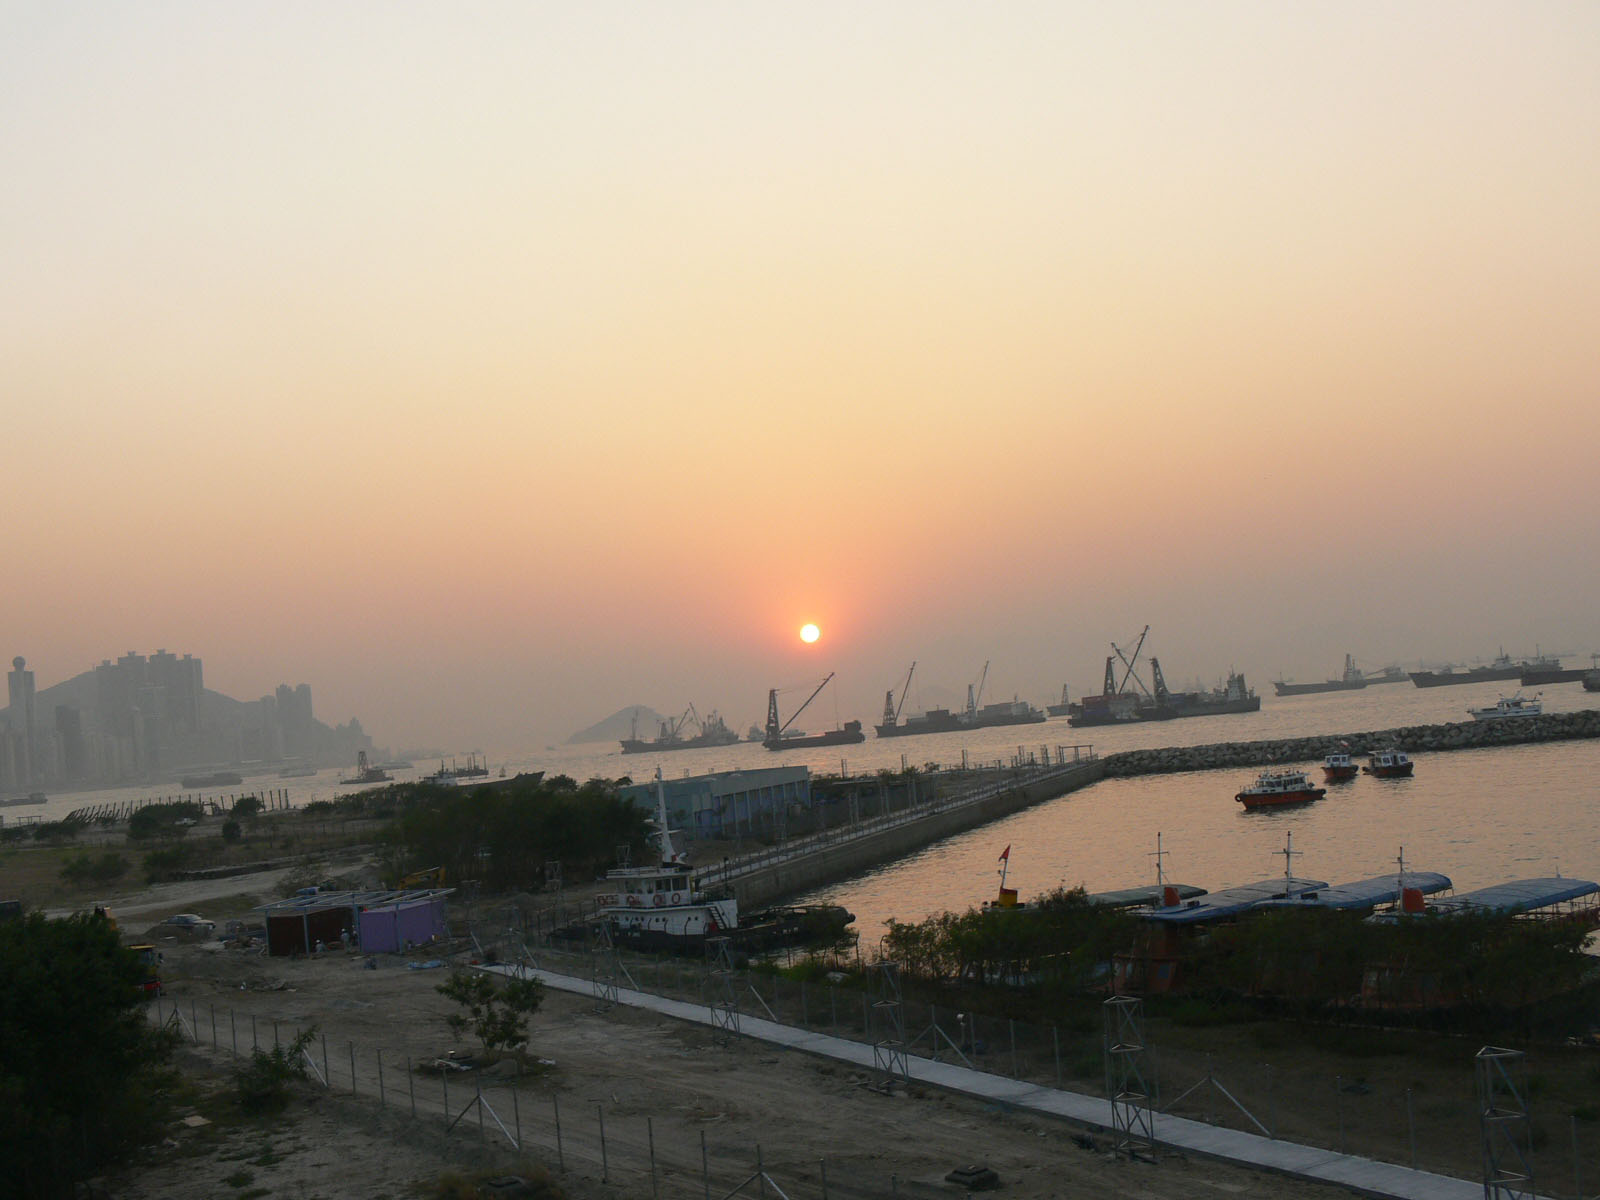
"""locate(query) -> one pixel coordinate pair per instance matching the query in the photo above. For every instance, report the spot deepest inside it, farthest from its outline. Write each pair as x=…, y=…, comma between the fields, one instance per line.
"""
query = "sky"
x=493, y=366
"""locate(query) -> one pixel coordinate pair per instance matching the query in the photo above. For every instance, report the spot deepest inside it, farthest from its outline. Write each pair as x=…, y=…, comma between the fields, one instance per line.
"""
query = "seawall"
x=1413, y=739
x=840, y=860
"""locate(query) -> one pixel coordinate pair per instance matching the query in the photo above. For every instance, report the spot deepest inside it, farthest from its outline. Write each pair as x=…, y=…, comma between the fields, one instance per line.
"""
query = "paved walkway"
x=1363, y=1175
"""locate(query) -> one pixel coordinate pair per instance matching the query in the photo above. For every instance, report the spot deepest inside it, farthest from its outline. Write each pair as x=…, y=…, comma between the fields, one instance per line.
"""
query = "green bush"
x=262, y=1084
x=232, y=831
x=105, y=867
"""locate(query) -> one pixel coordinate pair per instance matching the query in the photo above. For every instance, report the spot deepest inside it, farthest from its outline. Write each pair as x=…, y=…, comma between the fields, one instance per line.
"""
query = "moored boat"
x=1339, y=766
x=1352, y=678
x=1509, y=708
x=1273, y=789
x=1389, y=764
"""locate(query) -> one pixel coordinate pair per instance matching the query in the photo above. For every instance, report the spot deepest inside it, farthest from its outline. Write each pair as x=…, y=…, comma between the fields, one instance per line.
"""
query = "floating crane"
x=891, y=711
x=974, y=700
x=774, y=729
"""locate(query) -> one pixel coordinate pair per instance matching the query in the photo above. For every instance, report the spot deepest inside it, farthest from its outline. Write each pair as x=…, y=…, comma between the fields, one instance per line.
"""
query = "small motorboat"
x=1339, y=766
x=1273, y=789
x=1509, y=708
x=1389, y=764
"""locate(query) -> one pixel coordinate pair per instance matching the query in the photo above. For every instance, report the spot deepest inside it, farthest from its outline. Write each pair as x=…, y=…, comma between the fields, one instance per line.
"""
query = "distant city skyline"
x=493, y=370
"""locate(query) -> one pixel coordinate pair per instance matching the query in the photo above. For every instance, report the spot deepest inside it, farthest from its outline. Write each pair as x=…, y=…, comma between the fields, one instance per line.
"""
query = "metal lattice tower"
x=607, y=966
x=1503, y=1117
x=889, y=1027
x=724, y=988
x=1127, y=1074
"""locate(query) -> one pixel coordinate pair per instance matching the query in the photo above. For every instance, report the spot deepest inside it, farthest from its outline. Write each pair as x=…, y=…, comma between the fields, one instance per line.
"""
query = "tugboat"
x=1273, y=789
x=1339, y=766
x=366, y=772
x=663, y=906
x=1389, y=764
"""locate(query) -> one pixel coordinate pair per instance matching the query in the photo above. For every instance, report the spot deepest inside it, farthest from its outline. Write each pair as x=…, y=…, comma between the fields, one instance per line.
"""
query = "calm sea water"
x=1479, y=816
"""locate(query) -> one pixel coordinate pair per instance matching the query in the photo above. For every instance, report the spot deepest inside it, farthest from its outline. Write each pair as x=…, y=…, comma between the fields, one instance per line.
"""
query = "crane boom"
x=774, y=730
x=905, y=690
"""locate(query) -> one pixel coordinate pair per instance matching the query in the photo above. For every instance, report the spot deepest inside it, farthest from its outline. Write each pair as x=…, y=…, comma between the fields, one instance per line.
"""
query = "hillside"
x=620, y=724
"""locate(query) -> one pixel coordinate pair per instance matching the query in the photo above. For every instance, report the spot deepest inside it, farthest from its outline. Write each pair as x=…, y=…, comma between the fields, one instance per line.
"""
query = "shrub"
x=496, y=1009
x=232, y=830
x=262, y=1084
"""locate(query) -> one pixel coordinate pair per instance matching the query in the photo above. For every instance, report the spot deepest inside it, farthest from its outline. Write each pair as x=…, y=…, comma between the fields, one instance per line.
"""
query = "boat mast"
x=664, y=835
x=1288, y=856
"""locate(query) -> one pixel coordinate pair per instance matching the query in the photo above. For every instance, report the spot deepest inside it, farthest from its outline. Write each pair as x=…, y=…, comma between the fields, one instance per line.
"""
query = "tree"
x=231, y=830
x=247, y=806
x=496, y=1009
x=83, y=1075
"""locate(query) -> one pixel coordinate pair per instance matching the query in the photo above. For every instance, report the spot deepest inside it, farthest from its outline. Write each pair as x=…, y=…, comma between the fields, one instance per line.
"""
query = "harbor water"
x=1478, y=816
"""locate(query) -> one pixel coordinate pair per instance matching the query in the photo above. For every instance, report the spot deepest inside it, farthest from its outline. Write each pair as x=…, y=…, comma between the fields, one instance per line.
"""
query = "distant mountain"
x=620, y=724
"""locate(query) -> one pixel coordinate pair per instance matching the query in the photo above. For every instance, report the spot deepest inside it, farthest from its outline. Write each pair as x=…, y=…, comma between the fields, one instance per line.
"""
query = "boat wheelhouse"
x=1338, y=766
x=1389, y=764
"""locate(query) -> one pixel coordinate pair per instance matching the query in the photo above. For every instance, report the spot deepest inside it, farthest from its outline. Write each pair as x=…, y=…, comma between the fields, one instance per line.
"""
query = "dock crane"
x=774, y=729
x=891, y=711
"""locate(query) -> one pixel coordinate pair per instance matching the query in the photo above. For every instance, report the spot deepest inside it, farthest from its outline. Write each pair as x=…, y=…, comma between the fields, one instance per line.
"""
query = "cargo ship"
x=1352, y=679
x=1118, y=703
x=1550, y=670
x=777, y=739
x=1502, y=668
x=714, y=731
x=942, y=720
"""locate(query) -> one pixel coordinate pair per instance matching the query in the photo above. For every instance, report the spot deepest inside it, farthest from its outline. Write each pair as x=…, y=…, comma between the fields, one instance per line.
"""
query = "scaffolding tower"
x=724, y=988
x=889, y=1028
x=1503, y=1118
x=1128, y=1074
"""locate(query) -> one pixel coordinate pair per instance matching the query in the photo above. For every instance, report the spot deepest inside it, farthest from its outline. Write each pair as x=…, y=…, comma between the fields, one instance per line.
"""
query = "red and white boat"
x=1275, y=788
x=1389, y=764
x=1339, y=766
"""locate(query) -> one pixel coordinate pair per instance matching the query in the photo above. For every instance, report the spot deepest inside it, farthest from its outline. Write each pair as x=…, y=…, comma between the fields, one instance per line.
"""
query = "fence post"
x=1577, y=1163
x=352, y=1068
x=327, y=1076
x=1411, y=1132
x=516, y=1115
x=650, y=1130
x=1055, y=1038
x=213, y=1026
x=274, y=1035
x=380, y=1077
x=605, y=1166
x=1012, y=1024
x=254, y=1044
x=478, y=1083
x=1272, y=1103
x=761, y=1172
x=1338, y=1087
x=411, y=1083
x=194, y=1024
x=444, y=1085
x=233, y=1028
x=561, y=1156
x=705, y=1166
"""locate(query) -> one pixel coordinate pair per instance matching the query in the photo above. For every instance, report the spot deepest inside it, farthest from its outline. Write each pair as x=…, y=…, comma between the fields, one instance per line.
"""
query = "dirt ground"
x=653, y=1082
x=698, y=1105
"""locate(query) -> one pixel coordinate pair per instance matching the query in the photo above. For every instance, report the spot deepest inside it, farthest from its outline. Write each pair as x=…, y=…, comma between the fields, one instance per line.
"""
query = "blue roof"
x=1149, y=894
x=1520, y=895
x=1229, y=902
x=1364, y=893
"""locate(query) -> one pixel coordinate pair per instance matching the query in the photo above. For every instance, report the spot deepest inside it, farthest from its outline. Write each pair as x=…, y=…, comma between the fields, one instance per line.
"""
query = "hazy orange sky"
x=493, y=366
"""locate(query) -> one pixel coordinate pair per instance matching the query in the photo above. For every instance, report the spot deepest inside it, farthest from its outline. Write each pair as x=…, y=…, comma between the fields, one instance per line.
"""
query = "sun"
x=809, y=633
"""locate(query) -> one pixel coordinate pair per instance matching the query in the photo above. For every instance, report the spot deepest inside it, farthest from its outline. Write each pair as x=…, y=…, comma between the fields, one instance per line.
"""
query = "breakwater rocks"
x=1413, y=739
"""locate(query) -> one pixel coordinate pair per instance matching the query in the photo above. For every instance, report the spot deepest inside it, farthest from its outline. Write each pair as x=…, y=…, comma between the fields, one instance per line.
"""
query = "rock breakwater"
x=1413, y=739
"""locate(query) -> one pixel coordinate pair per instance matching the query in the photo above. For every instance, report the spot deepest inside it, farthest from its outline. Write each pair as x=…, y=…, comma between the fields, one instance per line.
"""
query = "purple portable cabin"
x=388, y=928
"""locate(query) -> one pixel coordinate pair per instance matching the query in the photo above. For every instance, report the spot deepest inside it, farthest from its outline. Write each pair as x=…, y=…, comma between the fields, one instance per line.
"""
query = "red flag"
x=1006, y=853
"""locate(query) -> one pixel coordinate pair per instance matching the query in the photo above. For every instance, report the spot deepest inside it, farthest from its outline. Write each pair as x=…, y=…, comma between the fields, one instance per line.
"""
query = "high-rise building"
x=19, y=691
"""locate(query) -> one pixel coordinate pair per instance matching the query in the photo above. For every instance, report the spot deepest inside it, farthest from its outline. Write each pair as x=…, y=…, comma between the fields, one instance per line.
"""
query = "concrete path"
x=1363, y=1175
